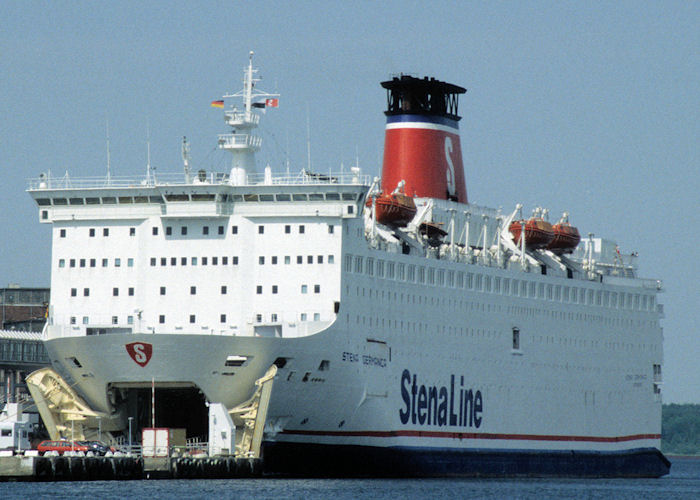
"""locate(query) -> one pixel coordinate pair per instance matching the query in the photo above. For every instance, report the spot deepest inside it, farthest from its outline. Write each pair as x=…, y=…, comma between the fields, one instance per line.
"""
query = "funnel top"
x=427, y=96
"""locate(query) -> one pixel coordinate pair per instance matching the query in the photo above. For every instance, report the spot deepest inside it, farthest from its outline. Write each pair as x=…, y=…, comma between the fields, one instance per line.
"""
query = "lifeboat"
x=395, y=209
x=538, y=232
x=566, y=238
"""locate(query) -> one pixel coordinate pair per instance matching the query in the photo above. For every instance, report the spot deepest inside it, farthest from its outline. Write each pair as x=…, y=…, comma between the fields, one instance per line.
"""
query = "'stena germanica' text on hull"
x=281, y=315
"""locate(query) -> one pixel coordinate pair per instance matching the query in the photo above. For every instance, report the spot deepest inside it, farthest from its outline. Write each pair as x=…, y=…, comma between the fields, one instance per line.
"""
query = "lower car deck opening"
x=176, y=408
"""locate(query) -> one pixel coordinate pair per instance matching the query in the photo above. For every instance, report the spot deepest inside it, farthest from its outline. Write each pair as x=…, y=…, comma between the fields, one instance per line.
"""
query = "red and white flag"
x=271, y=103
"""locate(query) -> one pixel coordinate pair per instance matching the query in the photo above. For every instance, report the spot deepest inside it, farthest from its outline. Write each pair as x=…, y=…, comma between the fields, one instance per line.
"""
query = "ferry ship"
x=342, y=325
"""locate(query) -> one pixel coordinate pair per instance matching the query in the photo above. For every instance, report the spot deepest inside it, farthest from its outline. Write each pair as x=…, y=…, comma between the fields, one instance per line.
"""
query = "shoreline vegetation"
x=680, y=430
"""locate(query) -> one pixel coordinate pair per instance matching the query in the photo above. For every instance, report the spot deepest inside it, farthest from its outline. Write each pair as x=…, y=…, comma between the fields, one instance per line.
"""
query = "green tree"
x=680, y=429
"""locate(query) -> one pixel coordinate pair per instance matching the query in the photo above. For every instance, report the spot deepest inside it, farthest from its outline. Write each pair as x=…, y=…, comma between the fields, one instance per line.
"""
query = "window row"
x=192, y=318
x=220, y=230
x=116, y=262
x=184, y=230
x=162, y=290
x=299, y=259
x=222, y=198
x=300, y=229
x=194, y=261
x=224, y=260
x=92, y=232
x=495, y=284
x=274, y=289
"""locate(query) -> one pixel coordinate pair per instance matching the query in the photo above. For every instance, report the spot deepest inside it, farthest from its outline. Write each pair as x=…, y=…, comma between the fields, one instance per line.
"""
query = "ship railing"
x=307, y=177
x=651, y=284
x=240, y=117
x=239, y=140
x=66, y=182
x=210, y=178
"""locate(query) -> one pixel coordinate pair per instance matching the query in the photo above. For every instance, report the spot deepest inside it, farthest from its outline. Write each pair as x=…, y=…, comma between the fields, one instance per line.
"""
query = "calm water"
x=682, y=483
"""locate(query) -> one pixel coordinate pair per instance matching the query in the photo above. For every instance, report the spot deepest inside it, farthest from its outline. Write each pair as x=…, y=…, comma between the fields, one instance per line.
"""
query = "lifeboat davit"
x=395, y=209
x=566, y=239
x=538, y=232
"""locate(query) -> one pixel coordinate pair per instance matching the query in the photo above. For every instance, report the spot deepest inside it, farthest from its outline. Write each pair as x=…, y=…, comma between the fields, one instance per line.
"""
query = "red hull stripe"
x=475, y=435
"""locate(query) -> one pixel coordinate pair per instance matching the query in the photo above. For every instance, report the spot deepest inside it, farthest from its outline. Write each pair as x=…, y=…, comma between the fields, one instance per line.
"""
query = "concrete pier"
x=59, y=468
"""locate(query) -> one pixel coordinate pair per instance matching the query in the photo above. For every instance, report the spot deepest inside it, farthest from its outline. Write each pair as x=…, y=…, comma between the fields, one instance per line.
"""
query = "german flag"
x=217, y=104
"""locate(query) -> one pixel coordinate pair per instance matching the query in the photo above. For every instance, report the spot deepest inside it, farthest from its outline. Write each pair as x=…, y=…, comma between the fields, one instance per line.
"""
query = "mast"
x=242, y=142
x=186, y=159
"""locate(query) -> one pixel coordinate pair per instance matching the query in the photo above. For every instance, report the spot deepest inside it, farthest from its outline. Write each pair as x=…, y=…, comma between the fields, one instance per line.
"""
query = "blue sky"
x=589, y=107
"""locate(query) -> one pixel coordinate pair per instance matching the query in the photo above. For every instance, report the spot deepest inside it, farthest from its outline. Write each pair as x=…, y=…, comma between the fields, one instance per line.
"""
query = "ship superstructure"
x=286, y=314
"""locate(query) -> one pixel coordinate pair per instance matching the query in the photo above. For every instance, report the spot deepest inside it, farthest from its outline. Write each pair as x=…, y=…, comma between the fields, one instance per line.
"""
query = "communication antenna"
x=286, y=151
x=308, y=140
x=148, y=152
x=186, y=159
x=109, y=172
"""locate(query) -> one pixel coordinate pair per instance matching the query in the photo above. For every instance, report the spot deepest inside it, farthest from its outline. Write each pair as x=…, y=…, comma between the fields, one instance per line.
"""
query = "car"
x=61, y=446
x=97, y=447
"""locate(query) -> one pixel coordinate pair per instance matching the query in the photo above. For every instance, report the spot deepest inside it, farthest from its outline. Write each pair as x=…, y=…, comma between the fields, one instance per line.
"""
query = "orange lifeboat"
x=566, y=238
x=538, y=232
x=395, y=209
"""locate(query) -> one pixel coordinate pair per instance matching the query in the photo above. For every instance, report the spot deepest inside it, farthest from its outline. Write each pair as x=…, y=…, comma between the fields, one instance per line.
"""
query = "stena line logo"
x=432, y=405
x=140, y=352
x=450, y=172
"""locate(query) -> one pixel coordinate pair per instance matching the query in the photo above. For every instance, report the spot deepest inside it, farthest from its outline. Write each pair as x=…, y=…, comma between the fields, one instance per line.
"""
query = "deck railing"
x=196, y=178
